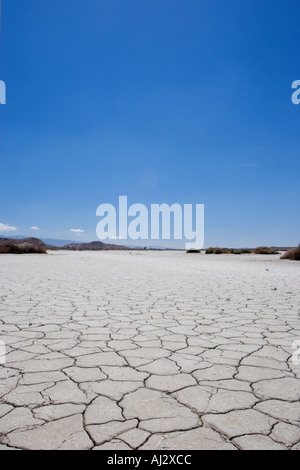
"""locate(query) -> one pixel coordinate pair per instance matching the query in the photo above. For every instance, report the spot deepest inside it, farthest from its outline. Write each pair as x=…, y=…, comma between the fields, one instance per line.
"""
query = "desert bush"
x=233, y=251
x=241, y=251
x=265, y=250
x=214, y=251
x=20, y=249
x=5, y=248
x=31, y=249
x=293, y=253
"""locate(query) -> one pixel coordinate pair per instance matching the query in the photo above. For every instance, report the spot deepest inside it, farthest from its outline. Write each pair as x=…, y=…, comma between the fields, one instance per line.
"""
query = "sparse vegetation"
x=233, y=251
x=214, y=251
x=265, y=250
x=293, y=253
x=240, y=251
x=20, y=249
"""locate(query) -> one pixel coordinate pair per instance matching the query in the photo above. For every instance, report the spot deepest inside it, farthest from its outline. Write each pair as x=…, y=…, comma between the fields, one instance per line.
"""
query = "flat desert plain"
x=149, y=350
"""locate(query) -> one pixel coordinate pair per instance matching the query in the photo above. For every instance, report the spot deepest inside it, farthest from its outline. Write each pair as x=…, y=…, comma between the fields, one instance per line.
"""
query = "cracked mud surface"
x=149, y=350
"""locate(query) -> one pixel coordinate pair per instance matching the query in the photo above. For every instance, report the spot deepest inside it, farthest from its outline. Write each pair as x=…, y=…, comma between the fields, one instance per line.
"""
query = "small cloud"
x=76, y=230
x=34, y=228
x=6, y=228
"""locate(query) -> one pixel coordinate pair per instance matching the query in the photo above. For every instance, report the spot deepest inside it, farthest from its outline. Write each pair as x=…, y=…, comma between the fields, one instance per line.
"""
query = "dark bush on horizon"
x=233, y=251
x=214, y=251
x=265, y=250
x=293, y=253
x=20, y=249
x=240, y=251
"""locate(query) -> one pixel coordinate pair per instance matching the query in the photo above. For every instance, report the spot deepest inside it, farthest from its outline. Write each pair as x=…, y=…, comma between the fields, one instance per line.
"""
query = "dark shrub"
x=293, y=253
x=214, y=251
x=265, y=250
x=240, y=251
x=20, y=249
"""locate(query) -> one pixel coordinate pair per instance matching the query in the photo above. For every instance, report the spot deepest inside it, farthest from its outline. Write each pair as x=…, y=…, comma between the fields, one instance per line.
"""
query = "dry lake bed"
x=149, y=350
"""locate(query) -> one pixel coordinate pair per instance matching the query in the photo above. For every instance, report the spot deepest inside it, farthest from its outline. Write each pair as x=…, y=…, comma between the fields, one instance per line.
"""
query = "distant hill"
x=48, y=241
x=94, y=246
x=39, y=244
x=29, y=242
x=57, y=242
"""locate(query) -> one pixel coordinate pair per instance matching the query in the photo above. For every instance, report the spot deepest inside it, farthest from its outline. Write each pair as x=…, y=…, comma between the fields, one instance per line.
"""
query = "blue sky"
x=161, y=100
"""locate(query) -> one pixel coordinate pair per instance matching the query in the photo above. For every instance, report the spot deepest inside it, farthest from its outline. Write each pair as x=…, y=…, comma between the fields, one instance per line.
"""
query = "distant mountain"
x=55, y=242
x=31, y=241
x=48, y=241
x=73, y=246
x=94, y=246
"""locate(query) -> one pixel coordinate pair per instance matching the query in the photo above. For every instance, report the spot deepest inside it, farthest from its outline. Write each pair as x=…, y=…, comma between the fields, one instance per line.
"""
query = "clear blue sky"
x=184, y=101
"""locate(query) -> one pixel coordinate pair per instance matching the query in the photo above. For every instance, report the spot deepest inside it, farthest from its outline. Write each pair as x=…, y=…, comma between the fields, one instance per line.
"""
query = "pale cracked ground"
x=148, y=350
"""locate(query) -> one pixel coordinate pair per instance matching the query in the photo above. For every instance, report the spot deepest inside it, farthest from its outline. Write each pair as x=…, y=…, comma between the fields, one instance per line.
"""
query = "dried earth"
x=149, y=350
